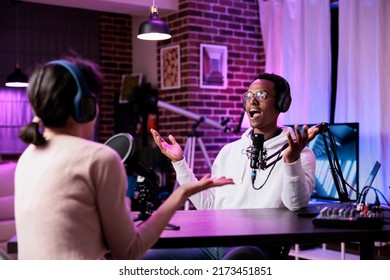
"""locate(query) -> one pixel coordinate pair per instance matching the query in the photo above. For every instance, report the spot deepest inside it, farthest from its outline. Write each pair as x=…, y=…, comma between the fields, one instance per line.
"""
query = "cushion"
x=7, y=177
x=7, y=208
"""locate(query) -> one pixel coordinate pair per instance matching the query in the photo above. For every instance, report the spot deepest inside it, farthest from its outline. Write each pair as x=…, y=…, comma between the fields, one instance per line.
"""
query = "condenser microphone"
x=123, y=144
x=257, y=151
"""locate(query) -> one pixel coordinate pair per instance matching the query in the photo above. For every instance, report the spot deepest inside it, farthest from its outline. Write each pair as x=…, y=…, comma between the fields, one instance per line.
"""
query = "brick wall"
x=233, y=23
x=115, y=61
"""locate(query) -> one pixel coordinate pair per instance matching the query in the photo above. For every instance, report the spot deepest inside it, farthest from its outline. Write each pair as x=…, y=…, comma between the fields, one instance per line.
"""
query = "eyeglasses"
x=259, y=95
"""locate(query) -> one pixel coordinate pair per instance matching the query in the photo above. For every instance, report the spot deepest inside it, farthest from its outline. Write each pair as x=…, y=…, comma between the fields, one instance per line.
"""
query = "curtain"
x=362, y=88
x=296, y=37
x=15, y=112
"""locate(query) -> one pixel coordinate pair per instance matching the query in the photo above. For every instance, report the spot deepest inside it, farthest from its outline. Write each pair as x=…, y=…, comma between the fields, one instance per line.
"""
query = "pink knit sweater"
x=69, y=203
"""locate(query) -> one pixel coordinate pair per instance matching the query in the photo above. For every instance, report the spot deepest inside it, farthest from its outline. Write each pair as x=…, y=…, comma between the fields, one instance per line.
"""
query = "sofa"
x=7, y=215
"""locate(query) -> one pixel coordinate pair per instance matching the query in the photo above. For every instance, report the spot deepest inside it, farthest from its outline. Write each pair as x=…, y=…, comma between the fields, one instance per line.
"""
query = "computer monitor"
x=346, y=136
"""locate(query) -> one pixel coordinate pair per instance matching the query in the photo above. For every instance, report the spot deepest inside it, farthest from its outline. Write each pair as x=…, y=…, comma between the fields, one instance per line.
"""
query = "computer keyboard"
x=349, y=217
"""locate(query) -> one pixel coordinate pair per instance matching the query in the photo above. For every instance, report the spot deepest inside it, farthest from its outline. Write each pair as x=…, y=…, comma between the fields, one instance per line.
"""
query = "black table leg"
x=367, y=250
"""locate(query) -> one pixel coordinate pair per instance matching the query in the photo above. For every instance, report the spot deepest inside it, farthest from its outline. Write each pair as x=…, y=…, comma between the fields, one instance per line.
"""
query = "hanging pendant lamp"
x=154, y=29
x=17, y=78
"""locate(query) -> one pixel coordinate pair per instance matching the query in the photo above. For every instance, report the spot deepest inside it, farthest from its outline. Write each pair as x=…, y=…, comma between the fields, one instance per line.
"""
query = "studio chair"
x=7, y=209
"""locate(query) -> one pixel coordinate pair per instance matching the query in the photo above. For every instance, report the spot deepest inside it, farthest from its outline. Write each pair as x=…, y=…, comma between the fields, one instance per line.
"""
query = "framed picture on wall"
x=170, y=67
x=213, y=66
x=129, y=82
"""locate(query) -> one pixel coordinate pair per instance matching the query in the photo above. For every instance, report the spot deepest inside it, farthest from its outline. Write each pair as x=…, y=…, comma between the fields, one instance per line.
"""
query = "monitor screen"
x=346, y=136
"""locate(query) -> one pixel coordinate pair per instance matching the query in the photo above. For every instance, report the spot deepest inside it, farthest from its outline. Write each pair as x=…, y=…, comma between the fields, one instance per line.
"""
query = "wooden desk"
x=201, y=228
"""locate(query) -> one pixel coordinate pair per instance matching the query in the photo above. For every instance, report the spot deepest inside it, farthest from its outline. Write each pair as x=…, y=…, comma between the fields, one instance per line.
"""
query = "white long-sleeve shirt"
x=288, y=185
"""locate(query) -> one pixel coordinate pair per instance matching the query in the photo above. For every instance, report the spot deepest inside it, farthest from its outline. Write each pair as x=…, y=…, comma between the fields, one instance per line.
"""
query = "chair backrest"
x=271, y=252
x=7, y=174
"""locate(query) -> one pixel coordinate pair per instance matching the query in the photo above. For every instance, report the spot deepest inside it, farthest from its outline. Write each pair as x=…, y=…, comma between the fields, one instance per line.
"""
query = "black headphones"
x=283, y=100
x=84, y=102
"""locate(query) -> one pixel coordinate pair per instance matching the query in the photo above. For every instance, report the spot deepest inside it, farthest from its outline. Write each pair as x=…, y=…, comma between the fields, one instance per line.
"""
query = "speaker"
x=282, y=102
x=84, y=102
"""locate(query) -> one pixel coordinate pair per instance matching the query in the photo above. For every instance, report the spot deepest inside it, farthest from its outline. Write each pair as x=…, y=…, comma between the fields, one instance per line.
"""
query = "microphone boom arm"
x=338, y=178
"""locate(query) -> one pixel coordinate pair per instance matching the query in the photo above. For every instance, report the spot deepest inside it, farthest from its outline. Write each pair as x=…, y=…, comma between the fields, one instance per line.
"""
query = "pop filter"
x=123, y=144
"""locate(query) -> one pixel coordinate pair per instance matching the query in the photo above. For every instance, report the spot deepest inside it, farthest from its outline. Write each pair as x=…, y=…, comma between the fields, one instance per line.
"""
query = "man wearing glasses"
x=285, y=178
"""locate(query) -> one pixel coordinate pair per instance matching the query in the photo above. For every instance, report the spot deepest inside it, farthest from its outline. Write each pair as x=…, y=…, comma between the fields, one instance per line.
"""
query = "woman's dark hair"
x=51, y=92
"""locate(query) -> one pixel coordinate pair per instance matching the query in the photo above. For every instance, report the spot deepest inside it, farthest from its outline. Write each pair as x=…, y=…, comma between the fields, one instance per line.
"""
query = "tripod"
x=189, y=151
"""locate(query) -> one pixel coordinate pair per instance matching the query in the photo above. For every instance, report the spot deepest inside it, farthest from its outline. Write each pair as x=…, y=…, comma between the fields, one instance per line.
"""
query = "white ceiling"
x=131, y=7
